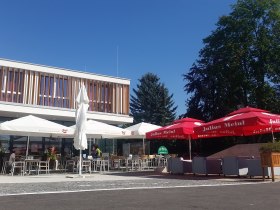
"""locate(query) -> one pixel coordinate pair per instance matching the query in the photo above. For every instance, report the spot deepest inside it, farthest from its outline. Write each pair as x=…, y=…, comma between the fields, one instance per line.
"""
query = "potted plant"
x=270, y=156
x=52, y=157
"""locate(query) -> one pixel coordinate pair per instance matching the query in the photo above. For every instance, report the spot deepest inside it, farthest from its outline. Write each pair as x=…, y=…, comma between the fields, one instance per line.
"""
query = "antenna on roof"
x=117, y=61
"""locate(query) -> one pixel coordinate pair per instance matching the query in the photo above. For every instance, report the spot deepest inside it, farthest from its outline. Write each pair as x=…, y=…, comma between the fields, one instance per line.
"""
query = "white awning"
x=35, y=126
x=95, y=129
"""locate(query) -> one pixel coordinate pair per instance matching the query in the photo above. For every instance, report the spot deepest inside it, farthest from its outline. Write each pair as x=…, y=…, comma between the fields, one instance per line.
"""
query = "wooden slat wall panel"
x=53, y=90
x=12, y=85
x=62, y=97
x=117, y=99
x=97, y=96
x=123, y=99
x=7, y=83
x=114, y=99
x=1, y=81
x=120, y=99
x=48, y=90
x=128, y=99
x=107, y=97
x=18, y=87
x=28, y=85
x=71, y=92
x=94, y=94
x=39, y=89
x=23, y=87
x=104, y=96
x=33, y=87
x=58, y=97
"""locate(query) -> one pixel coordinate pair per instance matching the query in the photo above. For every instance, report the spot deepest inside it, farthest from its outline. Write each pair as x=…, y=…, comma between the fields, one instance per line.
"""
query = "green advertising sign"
x=162, y=150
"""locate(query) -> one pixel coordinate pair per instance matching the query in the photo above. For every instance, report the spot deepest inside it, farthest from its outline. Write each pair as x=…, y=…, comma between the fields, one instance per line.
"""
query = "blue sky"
x=159, y=36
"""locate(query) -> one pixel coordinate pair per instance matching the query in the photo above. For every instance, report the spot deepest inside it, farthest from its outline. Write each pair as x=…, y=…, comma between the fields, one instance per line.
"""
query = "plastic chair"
x=18, y=165
x=5, y=166
x=86, y=165
x=70, y=165
x=44, y=166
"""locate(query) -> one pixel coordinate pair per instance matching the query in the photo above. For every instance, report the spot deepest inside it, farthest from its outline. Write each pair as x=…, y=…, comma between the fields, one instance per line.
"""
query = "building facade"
x=50, y=93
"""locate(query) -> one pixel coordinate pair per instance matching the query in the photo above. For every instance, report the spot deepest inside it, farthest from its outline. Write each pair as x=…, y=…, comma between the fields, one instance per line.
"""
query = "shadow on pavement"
x=158, y=175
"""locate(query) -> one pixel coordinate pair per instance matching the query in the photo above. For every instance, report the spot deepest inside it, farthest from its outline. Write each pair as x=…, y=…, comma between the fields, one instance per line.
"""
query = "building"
x=50, y=93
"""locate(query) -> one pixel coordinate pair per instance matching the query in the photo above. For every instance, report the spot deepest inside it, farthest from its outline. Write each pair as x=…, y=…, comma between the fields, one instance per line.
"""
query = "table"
x=30, y=163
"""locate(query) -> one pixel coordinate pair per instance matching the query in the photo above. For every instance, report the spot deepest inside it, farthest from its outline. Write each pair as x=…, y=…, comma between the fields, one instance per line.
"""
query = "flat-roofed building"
x=50, y=93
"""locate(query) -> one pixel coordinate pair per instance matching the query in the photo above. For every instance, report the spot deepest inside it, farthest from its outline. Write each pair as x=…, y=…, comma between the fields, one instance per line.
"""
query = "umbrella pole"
x=27, y=147
x=113, y=152
x=89, y=149
x=273, y=140
x=143, y=146
x=190, y=148
x=80, y=163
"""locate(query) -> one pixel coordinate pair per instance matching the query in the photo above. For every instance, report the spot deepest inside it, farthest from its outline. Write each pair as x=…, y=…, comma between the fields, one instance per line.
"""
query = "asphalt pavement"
x=148, y=190
x=251, y=196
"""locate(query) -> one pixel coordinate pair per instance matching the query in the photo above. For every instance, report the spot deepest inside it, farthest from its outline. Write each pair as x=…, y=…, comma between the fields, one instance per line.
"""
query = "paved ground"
x=136, y=191
x=59, y=182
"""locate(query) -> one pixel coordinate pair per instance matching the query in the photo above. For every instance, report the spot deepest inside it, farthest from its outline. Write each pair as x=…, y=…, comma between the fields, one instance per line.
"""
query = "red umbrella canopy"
x=245, y=121
x=179, y=129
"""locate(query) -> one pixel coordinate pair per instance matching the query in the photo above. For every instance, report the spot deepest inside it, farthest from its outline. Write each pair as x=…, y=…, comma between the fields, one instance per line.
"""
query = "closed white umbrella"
x=80, y=138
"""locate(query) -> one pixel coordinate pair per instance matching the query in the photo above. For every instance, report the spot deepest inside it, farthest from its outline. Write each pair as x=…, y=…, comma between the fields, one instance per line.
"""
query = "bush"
x=270, y=147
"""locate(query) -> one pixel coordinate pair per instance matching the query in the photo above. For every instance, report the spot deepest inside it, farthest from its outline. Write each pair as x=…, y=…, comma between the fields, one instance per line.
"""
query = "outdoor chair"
x=18, y=166
x=152, y=159
x=235, y=166
x=136, y=163
x=86, y=166
x=106, y=161
x=145, y=163
x=44, y=166
x=5, y=166
x=70, y=165
x=117, y=162
x=98, y=164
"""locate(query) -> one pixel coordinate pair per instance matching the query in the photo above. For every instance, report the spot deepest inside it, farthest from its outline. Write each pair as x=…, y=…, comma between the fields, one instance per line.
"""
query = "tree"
x=239, y=63
x=151, y=102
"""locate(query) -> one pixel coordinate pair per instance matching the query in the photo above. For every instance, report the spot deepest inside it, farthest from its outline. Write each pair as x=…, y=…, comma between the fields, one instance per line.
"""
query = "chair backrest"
x=86, y=163
x=18, y=164
x=105, y=154
x=152, y=156
x=30, y=157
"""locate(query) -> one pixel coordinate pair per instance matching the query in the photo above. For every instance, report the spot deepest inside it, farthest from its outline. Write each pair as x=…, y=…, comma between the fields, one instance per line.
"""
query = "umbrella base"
x=76, y=176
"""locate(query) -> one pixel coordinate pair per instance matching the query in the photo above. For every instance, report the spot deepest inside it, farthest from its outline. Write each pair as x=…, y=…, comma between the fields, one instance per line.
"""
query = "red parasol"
x=180, y=129
x=242, y=122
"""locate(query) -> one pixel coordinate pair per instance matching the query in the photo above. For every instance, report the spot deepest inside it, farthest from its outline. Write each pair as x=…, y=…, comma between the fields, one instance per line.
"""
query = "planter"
x=270, y=159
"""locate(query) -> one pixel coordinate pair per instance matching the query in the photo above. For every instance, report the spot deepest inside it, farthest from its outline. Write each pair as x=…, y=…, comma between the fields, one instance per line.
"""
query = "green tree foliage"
x=151, y=101
x=239, y=64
